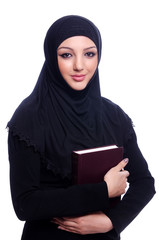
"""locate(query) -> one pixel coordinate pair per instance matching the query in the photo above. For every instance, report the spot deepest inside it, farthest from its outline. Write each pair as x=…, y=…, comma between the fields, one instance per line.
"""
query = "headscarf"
x=56, y=119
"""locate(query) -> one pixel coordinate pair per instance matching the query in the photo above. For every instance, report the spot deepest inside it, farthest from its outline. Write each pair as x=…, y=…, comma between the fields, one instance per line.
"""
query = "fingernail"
x=126, y=160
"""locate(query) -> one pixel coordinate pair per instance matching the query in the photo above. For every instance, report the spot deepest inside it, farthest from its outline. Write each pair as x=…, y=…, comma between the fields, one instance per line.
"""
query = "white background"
x=129, y=73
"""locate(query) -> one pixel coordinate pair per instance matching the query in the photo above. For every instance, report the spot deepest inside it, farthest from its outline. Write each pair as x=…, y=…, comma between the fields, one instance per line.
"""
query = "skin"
x=78, y=61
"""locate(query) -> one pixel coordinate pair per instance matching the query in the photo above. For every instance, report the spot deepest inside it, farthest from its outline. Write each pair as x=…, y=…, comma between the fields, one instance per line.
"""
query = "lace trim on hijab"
x=29, y=143
x=15, y=132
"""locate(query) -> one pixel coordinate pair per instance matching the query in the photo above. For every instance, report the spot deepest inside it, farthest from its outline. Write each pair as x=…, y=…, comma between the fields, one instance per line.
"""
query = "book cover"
x=90, y=165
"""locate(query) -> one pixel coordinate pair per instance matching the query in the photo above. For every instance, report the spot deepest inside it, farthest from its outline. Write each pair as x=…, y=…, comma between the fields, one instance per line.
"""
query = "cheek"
x=64, y=66
x=92, y=66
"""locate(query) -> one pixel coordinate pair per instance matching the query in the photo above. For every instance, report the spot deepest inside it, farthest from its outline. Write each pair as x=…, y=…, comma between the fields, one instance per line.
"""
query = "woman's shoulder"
x=23, y=111
x=111, y=107
x=114, y=112
x=26, y=124
x=118, y=119
x=23, y=118
x=107, y=102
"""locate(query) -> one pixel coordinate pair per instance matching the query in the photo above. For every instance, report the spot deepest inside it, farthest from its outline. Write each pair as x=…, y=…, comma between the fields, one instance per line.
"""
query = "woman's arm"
x=32, y=201
x=141, y=188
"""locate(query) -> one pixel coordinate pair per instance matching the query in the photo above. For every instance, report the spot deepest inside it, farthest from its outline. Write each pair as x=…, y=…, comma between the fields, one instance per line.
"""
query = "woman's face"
x=77, y=61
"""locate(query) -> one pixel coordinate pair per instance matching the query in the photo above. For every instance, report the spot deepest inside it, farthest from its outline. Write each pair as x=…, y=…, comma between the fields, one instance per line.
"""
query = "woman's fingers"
x=121, y=165
x=116, y=179
x=65, y=222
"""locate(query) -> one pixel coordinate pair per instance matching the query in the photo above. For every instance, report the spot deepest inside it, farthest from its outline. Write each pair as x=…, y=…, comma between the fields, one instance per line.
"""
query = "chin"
x=79, y=88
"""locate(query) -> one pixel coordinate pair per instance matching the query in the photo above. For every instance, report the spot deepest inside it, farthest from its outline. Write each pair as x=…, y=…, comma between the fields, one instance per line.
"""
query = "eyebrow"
x=72, y=48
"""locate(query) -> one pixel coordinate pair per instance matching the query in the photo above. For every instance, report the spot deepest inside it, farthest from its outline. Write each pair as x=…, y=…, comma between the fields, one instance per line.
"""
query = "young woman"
x=66, y=112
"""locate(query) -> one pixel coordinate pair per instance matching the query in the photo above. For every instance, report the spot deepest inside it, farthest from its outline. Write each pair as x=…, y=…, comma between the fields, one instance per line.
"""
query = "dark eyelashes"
x=68, y=55
x=90, y=54
x=65, y=55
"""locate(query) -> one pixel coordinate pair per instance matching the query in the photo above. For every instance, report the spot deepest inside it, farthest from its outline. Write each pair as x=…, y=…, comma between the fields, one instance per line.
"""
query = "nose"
x=78, y=64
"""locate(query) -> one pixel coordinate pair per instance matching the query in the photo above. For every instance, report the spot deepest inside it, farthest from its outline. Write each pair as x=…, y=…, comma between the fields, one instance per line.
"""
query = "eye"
x=66, y=55
x=90, y=54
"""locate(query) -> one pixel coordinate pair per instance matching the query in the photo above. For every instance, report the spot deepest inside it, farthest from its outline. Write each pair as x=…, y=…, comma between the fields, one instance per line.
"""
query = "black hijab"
x=55, y=119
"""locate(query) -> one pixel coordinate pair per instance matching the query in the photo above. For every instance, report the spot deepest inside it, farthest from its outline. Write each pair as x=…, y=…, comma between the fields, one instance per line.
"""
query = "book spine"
x=75, y=168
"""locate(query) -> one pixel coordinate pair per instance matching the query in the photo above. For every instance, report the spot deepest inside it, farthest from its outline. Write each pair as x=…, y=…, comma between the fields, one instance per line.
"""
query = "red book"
x=90, y=165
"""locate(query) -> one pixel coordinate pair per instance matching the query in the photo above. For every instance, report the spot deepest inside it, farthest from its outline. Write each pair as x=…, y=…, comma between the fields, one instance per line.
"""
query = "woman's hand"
x=89, y=224
x=116, y=179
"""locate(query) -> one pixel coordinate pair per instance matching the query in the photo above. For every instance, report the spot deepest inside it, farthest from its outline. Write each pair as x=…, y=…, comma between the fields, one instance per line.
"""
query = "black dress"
x=38, y=195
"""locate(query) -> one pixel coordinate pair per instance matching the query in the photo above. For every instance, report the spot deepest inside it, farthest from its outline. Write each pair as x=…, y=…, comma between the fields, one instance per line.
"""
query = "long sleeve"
x=33, y=201
x=141, y=188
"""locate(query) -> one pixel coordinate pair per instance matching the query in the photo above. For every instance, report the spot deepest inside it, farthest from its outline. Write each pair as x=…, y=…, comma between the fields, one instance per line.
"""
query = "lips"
x=78, y=78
